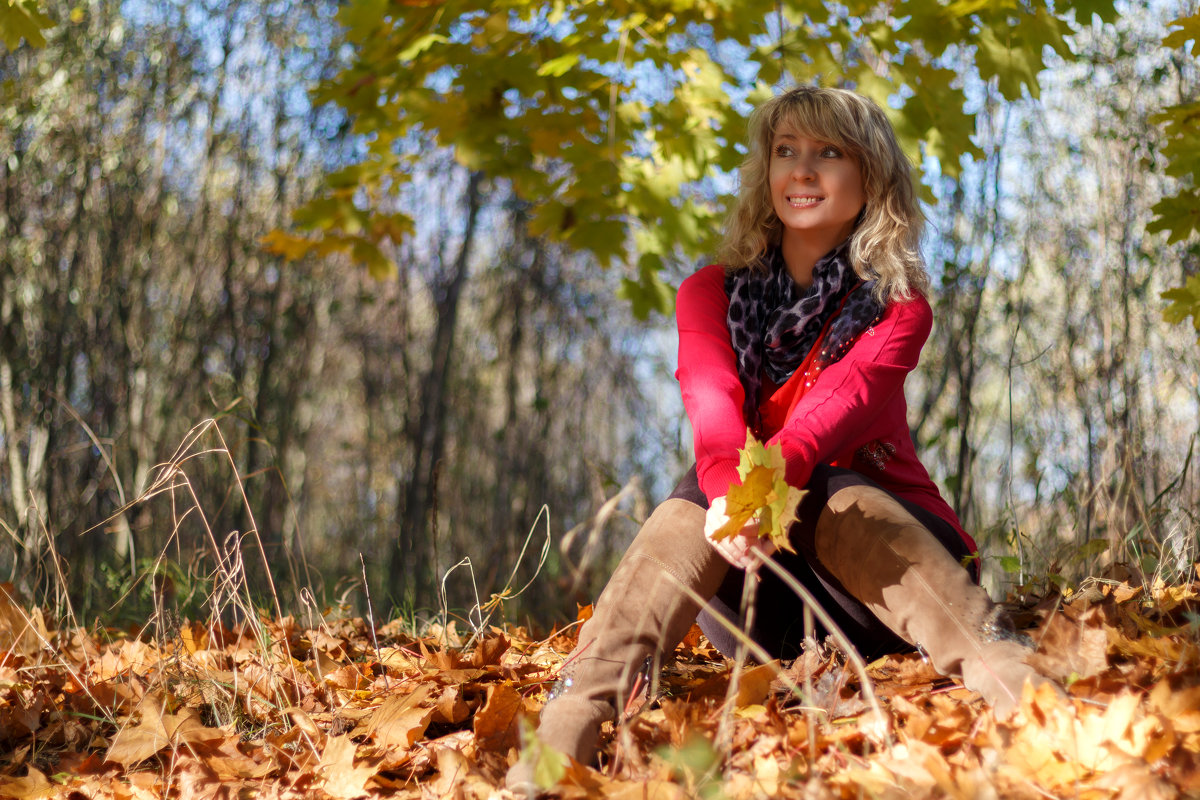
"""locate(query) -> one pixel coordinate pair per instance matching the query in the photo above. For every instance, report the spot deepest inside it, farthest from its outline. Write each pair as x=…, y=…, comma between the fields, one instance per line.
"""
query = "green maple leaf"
x=764, y=495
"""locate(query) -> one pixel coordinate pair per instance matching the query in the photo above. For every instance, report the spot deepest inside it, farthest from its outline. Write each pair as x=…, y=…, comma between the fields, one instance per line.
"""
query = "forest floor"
x=271, y=709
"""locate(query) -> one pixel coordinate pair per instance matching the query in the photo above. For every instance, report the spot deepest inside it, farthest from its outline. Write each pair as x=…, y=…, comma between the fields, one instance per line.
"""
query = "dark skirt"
x=778, y=625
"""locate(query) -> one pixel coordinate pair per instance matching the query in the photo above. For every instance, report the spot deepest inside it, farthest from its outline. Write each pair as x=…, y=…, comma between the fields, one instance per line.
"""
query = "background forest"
x=266, y=313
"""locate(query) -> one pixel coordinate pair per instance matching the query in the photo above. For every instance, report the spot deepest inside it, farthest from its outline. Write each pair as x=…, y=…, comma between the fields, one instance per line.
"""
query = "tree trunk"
x=413, y=563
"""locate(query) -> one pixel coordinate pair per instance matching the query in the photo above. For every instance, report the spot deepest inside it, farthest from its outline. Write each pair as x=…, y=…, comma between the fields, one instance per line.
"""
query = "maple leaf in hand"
x=764, y=495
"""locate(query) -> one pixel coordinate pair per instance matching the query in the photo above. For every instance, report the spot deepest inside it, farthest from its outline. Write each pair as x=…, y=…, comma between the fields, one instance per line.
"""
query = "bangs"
x=817, y=118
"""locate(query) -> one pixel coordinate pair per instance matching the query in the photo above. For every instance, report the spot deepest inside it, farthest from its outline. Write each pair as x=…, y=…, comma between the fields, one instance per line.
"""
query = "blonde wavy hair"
x=885, y=244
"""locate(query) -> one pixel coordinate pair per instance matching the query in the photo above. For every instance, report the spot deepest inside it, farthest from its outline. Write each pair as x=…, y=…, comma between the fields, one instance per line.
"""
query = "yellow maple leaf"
x=764, y=495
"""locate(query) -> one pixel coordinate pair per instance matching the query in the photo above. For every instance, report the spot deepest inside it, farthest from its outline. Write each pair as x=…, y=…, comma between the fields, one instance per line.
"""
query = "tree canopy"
x=619, y=123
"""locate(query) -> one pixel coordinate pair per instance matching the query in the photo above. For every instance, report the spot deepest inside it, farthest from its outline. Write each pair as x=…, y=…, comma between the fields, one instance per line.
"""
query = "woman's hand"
x=738, y=550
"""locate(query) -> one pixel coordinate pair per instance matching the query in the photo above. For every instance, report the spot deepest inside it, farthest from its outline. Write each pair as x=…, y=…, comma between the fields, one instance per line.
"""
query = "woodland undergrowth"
x=245, y=700
x=343, y=710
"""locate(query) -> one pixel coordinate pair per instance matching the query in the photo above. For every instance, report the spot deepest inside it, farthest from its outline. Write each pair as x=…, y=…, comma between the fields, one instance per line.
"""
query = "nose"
x=804, y=167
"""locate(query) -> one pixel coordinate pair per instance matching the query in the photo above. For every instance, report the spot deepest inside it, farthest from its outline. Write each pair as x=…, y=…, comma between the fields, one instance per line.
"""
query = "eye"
x=829, y=151
x=783, y=150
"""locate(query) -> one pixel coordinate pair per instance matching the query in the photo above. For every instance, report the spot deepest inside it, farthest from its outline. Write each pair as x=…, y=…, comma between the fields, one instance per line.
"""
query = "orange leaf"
x=496, y=722
x=136, y=743
x=33, y=785
x=401, y=722
x=342, y=779
x=451, y=708
x=489, y=651
x=755, y=684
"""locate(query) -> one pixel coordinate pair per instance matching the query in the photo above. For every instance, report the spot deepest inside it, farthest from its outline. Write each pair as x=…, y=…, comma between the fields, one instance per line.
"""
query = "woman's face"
x=816, y=188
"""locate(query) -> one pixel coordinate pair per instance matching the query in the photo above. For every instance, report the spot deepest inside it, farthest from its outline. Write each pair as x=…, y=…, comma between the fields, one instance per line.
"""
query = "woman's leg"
x=891, y=576
x=887, y=559
x=641, y=614
x=782, y=634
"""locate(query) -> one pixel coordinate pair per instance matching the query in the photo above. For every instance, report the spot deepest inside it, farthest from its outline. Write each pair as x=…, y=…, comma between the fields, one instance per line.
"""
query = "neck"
x=801, y=254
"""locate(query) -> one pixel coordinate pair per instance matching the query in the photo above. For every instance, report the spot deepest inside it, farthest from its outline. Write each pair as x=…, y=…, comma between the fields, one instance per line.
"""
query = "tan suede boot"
x=884, y=557
x=641, y=614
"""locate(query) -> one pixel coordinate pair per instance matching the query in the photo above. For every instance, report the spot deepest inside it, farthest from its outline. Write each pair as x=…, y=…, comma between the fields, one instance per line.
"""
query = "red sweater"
x=853, y=416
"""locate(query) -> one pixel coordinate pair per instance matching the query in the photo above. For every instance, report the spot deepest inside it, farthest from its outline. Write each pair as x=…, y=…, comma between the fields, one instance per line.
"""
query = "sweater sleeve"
x=708, y=378
x=848, y=395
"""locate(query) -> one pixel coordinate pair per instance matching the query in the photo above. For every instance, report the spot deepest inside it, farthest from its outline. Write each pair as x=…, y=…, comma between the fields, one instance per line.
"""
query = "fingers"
x=737, y=550
x=740, y=550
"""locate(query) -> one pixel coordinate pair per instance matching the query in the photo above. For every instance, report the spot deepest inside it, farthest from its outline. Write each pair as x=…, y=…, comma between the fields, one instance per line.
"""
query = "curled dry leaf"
x=401, y=721
x=1069, y=649
x=33, y=786
x=343, y=779
x=496, y=724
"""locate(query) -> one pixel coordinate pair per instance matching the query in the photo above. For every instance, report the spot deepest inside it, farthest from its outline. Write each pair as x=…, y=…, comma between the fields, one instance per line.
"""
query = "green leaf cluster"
x=22, y=19
x=615, y=121
x=1179, y=214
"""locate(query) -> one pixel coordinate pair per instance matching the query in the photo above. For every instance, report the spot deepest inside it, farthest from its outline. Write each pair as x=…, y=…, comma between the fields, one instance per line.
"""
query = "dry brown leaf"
x=21, y=633
x=228, y=762
x=400, y=721
x=451, y=709
x=135, y=743
x=489, y=651
x=158, y=731
x=443, y=659
x=343, y=779
x=1135, y=781
x=453, y=770
x=755, y=684
x=1178, y=703
x=34, y=785
x=643, y=790
x=198, y=782
x=403, y=729
x=1069, y=648
x=496, y=722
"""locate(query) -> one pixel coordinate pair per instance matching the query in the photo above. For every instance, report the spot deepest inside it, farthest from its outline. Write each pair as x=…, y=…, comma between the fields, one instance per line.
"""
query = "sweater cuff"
x=717, y=479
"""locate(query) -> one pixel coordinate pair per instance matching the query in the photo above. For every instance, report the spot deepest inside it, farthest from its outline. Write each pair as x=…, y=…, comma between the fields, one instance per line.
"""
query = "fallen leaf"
x=343, y=779
x=1068, y=648
x=496, y=722
x=489, y=651
x=21, y=633
x=1133, y=781
x=451, y=709
x=401, y=721
x=158, y=731
x=755, y=684
x=33, y=785
x=135, y=743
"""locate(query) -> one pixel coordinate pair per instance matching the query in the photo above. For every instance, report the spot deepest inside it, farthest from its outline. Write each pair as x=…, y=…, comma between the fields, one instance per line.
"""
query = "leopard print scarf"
x=773, y=323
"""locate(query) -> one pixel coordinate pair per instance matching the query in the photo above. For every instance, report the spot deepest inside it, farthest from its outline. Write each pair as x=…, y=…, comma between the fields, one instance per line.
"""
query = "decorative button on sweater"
x=877, y=453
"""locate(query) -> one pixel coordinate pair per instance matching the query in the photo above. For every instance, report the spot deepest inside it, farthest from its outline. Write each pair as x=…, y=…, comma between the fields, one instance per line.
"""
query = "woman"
x=803, y=336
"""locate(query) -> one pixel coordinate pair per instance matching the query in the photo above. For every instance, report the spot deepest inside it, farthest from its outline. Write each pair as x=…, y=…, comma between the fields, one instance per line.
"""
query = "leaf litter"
x=276, y=711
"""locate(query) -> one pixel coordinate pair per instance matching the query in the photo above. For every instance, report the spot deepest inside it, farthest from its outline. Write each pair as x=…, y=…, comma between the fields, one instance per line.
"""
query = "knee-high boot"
x=884, y=557
x=642, y=613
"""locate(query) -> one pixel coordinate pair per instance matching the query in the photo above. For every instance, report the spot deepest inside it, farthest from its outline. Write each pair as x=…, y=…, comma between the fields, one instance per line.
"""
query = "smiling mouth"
x=803, y=201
